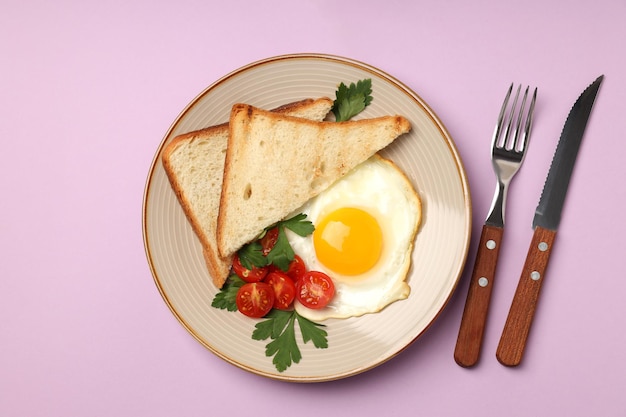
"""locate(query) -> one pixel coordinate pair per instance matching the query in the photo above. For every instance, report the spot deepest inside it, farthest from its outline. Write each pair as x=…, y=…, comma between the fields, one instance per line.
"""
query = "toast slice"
x=275, y=163
x=194, y=164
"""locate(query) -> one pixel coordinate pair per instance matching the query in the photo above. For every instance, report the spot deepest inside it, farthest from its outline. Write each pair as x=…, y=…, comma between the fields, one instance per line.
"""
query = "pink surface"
x=87, y=92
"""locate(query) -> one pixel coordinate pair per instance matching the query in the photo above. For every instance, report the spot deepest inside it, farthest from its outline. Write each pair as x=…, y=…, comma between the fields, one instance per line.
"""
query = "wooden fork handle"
x=517, y=327
x=469, y=341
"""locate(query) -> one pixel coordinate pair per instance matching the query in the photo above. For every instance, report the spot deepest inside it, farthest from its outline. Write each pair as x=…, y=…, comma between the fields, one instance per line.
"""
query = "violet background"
x=88, y=89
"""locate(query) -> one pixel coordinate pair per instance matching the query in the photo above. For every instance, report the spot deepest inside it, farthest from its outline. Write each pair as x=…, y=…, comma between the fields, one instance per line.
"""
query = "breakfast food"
x=300, y=220
x=275, y=163
x=194, y=164
x=365, y=225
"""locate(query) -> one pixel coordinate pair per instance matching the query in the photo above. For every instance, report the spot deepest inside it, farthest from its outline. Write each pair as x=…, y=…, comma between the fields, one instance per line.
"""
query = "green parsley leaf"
x=225, y=298
x=279, y=326
x=282, y=254
x=272, y=327
x=264, y=329
x=350, y=101
x=298, y=225
x=251, y=255
x=312, y=331
x=284, y=348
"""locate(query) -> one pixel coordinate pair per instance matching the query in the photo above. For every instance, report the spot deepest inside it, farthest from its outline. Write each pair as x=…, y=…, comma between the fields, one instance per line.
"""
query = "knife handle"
x=469, y=341
x=517, y=327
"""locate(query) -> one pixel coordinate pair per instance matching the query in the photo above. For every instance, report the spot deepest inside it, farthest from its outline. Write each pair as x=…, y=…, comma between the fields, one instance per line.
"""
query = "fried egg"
x=365, y=226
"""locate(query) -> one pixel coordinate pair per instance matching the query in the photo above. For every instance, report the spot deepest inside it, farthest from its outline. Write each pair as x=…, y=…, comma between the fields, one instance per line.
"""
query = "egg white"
x=380, y=188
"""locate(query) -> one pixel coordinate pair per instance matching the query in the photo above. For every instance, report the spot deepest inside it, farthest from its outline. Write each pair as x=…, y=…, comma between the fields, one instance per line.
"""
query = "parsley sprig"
x=279, y=326
x=282, y=253
x=252, y=255
x=225, y=298
x=350, y=101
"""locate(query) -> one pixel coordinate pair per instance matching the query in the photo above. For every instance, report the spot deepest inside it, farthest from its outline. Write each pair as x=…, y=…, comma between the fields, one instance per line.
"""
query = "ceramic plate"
x=427, y=155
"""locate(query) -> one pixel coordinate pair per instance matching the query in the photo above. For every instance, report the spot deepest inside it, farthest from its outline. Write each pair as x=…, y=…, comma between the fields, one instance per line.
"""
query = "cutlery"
x=545, y=223
x=508, y=150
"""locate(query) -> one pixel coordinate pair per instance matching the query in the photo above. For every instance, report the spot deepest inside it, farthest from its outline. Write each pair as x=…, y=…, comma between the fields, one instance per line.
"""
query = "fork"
x=508, y=149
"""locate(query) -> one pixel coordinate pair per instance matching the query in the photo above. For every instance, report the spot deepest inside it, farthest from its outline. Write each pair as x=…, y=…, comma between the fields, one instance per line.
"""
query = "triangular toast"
x=275, y=163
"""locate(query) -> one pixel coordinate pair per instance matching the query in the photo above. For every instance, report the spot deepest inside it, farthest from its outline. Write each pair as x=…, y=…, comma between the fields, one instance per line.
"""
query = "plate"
x=427, y=155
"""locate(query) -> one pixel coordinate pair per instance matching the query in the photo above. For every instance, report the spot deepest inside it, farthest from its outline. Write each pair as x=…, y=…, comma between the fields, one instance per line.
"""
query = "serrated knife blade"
x=545, y=223
x=548, y=213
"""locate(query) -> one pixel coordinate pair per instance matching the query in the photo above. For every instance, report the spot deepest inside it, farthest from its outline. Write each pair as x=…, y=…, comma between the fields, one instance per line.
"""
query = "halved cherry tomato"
x=255, y=299
x=249, y=275
x=269, y=240
x=297, y=268
x=284, y=289
x=315, y=289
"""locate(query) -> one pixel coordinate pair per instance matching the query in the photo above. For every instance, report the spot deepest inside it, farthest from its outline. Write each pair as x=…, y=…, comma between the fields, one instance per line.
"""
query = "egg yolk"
x=348, y=241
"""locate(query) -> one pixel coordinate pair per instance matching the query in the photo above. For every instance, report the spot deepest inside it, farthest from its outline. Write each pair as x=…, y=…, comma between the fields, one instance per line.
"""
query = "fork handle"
x=469, y=341
x=517, y=327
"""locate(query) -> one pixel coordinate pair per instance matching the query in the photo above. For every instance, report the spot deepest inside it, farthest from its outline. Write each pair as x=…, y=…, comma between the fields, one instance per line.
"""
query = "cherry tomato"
x=297, y=268
x=269, y=240
x=284, y=289
x=255, y=299
x=249, y=275
x=315, y=289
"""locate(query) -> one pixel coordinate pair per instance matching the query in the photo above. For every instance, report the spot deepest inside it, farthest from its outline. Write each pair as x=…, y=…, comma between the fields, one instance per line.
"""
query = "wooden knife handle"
x=517, y=327
x=469, y=341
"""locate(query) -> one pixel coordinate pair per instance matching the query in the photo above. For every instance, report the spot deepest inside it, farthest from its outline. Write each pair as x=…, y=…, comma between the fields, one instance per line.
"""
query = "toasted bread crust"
x=217, y=266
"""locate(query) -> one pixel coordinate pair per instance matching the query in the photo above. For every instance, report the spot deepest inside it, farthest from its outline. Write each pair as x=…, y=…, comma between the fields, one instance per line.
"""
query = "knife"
x=545, y=223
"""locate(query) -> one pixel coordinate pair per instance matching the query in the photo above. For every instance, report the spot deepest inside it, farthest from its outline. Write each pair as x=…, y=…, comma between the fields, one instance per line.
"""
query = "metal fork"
x=508, y=149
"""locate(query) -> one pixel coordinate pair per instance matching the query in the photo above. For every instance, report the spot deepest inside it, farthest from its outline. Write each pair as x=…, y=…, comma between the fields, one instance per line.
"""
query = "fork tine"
x=529, y=120
x=507, y=132
x=517, y=144
x=496, y=133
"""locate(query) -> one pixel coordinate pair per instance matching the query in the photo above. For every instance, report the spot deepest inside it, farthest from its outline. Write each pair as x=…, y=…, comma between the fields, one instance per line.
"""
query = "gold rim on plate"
x=427, y=155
